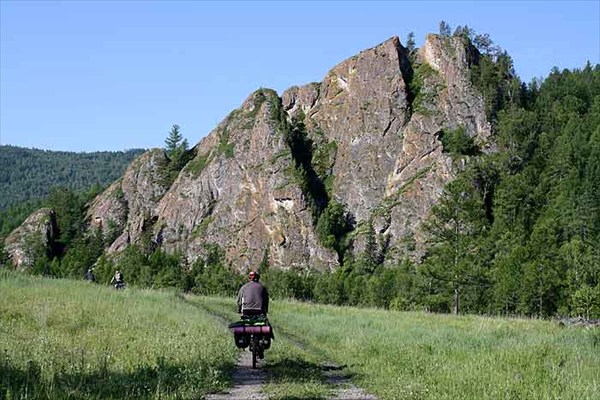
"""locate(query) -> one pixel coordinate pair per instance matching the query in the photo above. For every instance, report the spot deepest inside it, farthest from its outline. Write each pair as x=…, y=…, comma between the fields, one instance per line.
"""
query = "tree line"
x=29, y=174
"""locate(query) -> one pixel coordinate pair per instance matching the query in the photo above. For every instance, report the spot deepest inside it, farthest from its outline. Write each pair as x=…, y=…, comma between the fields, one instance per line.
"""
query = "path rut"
x=248, y=382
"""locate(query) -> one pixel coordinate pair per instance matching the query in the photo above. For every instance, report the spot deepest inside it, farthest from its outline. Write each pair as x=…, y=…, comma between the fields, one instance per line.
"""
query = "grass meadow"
x=403, y=355
x=66, y=339
x=400, y=355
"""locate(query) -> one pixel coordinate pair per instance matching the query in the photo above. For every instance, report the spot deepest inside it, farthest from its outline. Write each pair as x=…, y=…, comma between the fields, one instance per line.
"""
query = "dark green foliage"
x=68, y=207
x=210, y=275
x=289, y=284
x=457, y=142
x=494, y=76
x=421, y=96
x=464, y=32
x=455, y=229
x=13, y=216
x=155, y=270
x=81, y=255
x=29, y=174
x=312, y=185
x=333, y=225
x=4, y=257
x=175, y=144
x=546, y=221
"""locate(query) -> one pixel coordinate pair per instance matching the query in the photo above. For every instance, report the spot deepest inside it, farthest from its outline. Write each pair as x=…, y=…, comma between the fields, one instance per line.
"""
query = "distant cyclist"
x=253, y=298
x=89, y=276
x=117, y=280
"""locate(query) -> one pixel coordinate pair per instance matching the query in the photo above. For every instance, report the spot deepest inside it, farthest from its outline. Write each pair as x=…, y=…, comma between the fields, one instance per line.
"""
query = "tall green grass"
x=66, y=339
x=426, y=356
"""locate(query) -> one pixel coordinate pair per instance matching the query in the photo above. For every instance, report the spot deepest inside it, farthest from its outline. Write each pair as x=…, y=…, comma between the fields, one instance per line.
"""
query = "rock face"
x=372, y=142
x=390, y=167
x=240, y=193
x=35, y=235
x=128, y=207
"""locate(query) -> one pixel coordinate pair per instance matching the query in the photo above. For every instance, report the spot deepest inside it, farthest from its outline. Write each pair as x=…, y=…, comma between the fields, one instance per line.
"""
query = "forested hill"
x=28, y=174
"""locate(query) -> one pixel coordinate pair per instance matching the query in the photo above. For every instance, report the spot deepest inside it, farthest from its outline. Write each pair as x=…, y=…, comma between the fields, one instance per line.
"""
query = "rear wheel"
x=254, y=344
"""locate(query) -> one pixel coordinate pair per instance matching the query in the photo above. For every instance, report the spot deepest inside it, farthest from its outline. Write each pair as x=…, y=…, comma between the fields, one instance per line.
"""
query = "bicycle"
x=255, y=333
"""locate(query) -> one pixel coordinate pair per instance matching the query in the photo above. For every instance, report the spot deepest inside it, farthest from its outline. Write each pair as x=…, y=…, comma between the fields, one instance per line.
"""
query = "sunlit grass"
x=425, y=356
x=63, y=338
x=66, y=339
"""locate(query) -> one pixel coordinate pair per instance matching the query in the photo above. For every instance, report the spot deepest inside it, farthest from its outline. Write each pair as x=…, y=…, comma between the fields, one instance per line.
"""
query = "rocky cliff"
x=35, y=236
x=367, y=136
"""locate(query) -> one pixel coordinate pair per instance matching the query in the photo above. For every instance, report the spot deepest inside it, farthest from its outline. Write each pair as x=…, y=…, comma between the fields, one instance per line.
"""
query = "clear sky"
x=115, y=75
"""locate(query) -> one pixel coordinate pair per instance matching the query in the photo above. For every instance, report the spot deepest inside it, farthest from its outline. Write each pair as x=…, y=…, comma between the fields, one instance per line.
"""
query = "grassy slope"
x=71, y=339
x=426, y=356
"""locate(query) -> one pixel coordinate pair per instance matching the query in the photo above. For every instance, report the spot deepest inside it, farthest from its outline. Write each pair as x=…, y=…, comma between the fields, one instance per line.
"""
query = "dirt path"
x=248, y=382
x=344, y=388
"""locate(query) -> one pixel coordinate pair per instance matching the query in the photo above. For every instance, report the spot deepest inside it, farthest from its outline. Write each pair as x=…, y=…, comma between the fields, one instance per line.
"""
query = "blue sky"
x=109, y=75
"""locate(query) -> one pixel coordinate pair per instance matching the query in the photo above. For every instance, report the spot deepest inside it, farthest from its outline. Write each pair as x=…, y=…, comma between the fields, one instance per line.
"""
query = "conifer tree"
x=410, y=42
x=456, y=224
x=444, y=29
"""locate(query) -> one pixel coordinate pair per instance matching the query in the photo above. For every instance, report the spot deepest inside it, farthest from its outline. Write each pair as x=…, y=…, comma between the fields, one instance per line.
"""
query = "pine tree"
x=445, y=29
x=455, y=227
x=410, y=42
x=177, y=151
x=4, y=257
x=175, y=141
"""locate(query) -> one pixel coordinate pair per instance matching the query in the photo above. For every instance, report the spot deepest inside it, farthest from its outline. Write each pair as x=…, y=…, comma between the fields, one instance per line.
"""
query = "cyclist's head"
x=254, y=276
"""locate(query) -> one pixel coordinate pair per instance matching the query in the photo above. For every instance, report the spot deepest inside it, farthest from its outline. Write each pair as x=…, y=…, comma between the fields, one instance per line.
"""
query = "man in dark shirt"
x=89, y=276
x=253, y=298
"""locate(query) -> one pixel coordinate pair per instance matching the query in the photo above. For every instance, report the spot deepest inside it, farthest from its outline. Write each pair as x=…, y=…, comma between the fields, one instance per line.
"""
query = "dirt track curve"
x=248, y=383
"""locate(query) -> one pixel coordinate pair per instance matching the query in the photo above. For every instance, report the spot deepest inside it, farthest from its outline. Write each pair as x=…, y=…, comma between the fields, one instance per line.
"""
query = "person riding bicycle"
x=253, y=298
x=253, y=302
x=89, y=276
x=118, y=280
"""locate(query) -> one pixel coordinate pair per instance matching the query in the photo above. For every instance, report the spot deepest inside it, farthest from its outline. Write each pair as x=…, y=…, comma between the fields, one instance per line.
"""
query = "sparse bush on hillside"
x=457, y=142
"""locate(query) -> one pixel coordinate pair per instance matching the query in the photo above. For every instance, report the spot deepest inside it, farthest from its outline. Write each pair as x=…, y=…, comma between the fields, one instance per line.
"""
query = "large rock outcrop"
x=33, y=237
x=371, y=141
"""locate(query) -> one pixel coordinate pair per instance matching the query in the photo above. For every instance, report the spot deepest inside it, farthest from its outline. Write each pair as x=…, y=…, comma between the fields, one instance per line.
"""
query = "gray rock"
x=36, y=234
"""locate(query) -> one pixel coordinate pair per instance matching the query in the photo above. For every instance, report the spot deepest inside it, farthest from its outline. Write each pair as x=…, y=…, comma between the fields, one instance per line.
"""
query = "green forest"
x=29, y=175
x=515, y=234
